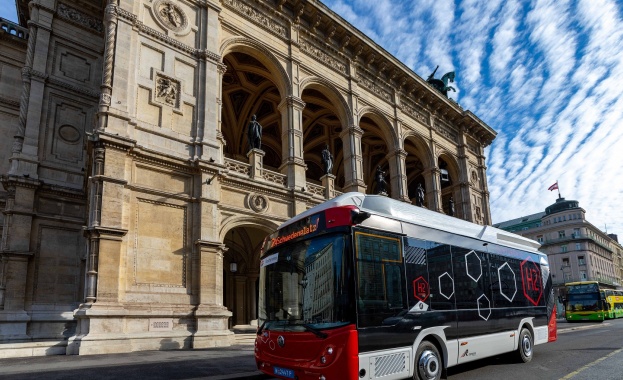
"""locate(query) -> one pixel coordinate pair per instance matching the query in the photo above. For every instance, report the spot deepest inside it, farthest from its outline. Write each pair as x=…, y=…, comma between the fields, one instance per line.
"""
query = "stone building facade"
x=134, y=210
x=577, y=250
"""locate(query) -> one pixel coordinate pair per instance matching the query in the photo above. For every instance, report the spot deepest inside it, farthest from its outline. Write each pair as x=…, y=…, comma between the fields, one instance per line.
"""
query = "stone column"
x=464, y=211
x=328, y=182
x=398, y=174
x=482, y=172
x=110, y=23
x=25, y=152
x=433, y=192
x=353, y=160
x=292, y=164
x=256, y=160
x=211, y=315
x=15, y=255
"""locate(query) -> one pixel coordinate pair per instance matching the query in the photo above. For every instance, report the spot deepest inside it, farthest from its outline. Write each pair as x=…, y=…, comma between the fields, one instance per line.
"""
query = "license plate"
x=284, y=372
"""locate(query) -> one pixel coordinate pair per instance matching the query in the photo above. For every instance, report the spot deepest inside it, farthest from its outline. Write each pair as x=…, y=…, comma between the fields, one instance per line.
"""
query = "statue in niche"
x=254, y=134
x=451, y=207
x=419, y=197
x=381, y=183
x=167, y=89
x=327, y=160
x=441, y=85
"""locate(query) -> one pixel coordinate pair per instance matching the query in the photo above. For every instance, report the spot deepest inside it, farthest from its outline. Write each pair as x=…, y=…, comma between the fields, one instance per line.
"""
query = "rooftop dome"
x=561, y=205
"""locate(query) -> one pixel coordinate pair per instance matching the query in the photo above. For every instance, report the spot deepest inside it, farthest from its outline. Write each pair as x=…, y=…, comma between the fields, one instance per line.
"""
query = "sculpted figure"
x=381, y=184
x=168, y=12
x=327, y=160
x=420, y=195
x=451, y=206
x=254, y=134
x=167, y=90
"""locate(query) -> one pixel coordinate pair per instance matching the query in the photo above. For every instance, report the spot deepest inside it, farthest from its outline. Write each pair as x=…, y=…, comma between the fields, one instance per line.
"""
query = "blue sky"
x=547, y=75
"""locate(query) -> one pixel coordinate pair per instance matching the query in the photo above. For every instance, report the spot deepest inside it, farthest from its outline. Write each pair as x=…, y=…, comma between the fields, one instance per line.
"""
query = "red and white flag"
x=553, y=187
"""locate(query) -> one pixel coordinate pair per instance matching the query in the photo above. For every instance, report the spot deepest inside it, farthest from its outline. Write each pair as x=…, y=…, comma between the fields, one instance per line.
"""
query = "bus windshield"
x=583, y=302
x=304, y=286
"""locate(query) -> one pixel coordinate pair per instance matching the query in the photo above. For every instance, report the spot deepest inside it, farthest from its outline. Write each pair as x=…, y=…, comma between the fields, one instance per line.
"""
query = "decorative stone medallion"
x=69, y=134
x=170, y=16
x=258, y=202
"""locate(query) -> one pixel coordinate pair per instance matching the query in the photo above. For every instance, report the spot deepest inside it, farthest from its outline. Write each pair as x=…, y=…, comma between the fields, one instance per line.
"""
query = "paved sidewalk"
x=235, y=362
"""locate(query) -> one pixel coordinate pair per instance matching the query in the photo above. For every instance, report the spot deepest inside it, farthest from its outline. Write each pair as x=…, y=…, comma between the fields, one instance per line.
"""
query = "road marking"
x=589, y=365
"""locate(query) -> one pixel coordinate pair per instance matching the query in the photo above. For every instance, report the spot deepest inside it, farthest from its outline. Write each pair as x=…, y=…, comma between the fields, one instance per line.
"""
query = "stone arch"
x=264, y=224
x=420, y=142
x=262, y=54
x=417, y=166
x=452, y=163
x=328, y=89
x=243, y=237
x=386, y=126
x=450, y=189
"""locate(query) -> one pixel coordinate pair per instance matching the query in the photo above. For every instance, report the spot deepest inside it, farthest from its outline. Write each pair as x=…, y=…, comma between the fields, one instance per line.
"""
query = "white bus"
x=367, y=287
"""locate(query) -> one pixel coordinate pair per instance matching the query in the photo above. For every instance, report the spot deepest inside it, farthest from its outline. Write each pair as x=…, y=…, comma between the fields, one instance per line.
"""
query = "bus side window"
x=441, y=277
x=471, y=279
x=416, y=268
x=380, y=277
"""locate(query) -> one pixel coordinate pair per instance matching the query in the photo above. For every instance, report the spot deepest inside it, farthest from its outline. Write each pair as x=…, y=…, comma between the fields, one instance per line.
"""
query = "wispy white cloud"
x=547, y=75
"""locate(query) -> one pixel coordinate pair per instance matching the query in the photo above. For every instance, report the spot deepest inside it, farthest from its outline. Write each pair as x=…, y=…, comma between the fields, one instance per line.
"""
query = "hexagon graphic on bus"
x=484, y=306
x=473, y=261
x=531, y=281
x=505, y=271
x=420, y=289
x=446, y=285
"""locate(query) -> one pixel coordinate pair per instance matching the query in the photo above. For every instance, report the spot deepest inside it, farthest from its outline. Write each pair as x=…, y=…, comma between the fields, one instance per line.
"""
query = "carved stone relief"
x=170, y=16
x=258, y=202
x=80, y=19
x=167, y=90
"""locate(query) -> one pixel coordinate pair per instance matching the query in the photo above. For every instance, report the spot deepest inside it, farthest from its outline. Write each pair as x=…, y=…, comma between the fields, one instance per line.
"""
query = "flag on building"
x=553, y=187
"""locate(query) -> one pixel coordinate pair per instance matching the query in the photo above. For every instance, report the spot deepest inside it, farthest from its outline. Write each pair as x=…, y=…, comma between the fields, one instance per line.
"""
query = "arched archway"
x=449, y=182
x=254, y=83
x=243, y=239
x=377, y=141
x=324, y=116
x=417, y=163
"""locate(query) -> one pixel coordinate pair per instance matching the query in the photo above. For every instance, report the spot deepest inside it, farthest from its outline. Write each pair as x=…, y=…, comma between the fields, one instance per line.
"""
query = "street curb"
x=562, y=331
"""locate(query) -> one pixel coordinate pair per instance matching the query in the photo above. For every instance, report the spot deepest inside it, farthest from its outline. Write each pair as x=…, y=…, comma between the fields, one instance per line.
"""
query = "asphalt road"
x=582, y=351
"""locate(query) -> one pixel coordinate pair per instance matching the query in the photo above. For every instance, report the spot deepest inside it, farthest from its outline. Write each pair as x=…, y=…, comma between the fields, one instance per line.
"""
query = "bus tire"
x=427, y=362
x=526, y=345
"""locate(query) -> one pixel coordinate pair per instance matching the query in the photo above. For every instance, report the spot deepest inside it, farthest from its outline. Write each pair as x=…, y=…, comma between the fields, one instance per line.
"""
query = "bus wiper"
x=316, y=332
x=259, y=331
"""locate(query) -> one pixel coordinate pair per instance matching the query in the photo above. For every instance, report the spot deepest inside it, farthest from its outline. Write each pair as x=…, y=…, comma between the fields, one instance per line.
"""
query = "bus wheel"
x=526, y=343
x=427, y=362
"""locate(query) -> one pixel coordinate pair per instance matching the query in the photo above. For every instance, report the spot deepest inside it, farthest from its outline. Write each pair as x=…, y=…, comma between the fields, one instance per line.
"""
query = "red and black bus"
x=366, y=287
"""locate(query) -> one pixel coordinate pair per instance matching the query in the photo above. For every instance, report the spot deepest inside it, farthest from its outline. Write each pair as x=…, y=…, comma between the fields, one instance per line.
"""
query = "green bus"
x=586, y=301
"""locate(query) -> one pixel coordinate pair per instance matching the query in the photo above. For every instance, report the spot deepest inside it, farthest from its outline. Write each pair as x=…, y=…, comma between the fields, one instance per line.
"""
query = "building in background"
x=577, y=250
x=133, y=205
